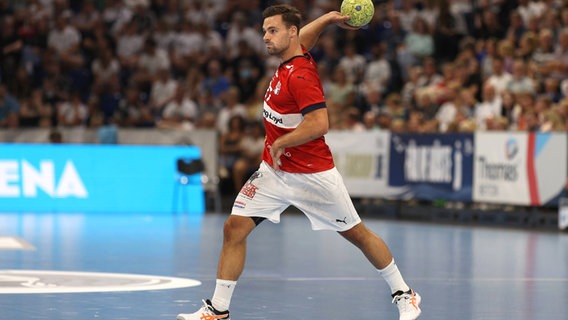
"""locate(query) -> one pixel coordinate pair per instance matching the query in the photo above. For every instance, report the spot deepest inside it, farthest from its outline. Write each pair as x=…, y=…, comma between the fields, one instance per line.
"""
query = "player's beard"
x=274, y=50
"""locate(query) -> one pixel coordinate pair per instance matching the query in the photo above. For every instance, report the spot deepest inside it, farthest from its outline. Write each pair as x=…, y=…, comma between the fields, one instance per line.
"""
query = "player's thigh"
x=263, y=195
x=326, y=202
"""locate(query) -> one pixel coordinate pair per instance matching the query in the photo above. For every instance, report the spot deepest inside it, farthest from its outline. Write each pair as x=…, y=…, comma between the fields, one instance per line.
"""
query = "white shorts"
x=321, y=196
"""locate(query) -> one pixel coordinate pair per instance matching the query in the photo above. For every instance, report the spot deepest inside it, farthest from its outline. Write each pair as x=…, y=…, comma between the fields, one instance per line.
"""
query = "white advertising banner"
x=519, y=168
x=362, y=159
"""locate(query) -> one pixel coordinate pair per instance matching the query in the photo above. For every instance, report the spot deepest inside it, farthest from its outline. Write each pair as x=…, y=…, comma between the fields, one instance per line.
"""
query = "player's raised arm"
x=310, y=32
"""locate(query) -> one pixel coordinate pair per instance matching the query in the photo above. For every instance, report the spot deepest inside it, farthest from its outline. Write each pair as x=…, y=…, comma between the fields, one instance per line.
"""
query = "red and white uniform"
x=295, y=89
x=307, y=178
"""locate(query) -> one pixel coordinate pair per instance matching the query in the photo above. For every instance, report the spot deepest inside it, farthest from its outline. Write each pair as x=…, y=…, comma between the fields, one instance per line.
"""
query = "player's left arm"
x=309, y=33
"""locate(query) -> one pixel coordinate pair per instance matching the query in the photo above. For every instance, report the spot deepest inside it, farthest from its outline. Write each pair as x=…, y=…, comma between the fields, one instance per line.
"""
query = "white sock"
x=392, y=276
x=222, y=295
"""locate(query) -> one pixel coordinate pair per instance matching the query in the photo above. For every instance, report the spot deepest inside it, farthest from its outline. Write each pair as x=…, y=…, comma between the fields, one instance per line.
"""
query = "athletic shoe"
x=207, y=312
x=408, y=304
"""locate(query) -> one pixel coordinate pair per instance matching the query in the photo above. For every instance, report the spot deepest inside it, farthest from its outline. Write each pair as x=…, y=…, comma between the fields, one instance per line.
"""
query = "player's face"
x=276, y=35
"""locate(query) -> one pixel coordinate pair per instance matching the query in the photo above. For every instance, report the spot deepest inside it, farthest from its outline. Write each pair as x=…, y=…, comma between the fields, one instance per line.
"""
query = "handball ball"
x=360, y=12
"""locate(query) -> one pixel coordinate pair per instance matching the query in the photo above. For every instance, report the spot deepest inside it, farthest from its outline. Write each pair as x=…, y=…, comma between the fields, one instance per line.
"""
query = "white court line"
x=524, y=279
x=14, y=243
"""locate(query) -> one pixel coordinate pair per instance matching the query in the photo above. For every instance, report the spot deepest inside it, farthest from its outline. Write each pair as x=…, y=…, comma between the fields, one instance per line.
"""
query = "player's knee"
x=356, y=235
x=236, y=228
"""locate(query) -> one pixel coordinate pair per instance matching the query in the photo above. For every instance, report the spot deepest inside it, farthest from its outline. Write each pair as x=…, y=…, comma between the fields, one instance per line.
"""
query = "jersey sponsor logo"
x=271, y=117
x=239, y=204
x=249, y=190
x=285, y=121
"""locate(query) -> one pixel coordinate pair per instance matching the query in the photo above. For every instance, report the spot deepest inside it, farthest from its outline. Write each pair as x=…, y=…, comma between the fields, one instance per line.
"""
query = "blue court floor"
x=292, y=272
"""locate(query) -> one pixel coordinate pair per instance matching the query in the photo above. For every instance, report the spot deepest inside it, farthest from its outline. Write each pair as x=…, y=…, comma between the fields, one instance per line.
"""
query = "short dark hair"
x=290, y=15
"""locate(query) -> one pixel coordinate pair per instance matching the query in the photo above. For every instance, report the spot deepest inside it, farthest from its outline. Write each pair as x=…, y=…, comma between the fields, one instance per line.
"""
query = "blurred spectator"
x=551, y=121
x=516, y=28
x=526, y=47
x=179, y=113
x=425, y=103
x=239, y=31
x=394, y=35
x=419, y=42
x=529, y=121
x=163, y=90
x=429, y=75
x=520, y=82
x=252, y=146
x=255, y=104
x=215, y=82
x=213, y=44
x=352, y=121
x=371, y=101
x=150, y=61
x=132, y=110
x=486, y=52
x=230, y=146
x=34, y=112
x=115, y=15
x=415, y=123
x=247, y=69
x=186, y=47
x=9, y=108
x=543, y=56
x=506, y=50
x=384, y=120
x=65, y=40
x=143, y=18
x=394, y=107
x=488, y=26
x=353, y=64
x=377, y=72
x=87, y=18
x=408, y=15
x=448, y=111
x=129, y=44
x=370, y=121
x=341, y=96
x=72, y=112
x=11, y=45
x=551, y=89
x=500, y=78
x=488, y=108
x=164, y=33
x=104, y=67
x=230, y=107
x=108, y=100
x=530, y=9
x=560, y=62
x=446, y=34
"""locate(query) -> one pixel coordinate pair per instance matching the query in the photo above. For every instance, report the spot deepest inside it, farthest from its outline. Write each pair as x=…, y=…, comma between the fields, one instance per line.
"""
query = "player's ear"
x=293, y=31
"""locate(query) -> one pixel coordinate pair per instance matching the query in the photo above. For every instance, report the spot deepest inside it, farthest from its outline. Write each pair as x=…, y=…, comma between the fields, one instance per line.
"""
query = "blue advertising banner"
x=98, y=179
x=433, y=166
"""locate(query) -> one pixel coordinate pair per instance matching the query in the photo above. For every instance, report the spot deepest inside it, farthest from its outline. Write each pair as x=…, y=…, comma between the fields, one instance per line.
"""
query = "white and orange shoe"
x=207, y=312
x=408, y=304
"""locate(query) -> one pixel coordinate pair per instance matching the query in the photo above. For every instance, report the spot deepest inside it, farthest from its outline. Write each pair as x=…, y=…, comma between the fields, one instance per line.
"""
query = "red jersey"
x=295, y=90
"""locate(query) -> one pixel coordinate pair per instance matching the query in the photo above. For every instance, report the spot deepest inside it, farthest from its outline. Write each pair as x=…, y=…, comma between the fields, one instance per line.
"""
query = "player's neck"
x=293, y=51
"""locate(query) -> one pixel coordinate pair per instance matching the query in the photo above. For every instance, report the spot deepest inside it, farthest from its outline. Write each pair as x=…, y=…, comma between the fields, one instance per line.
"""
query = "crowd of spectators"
x=419, y=66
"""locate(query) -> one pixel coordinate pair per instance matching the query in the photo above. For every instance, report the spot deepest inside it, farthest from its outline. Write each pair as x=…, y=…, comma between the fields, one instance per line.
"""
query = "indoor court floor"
x=292, y=272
